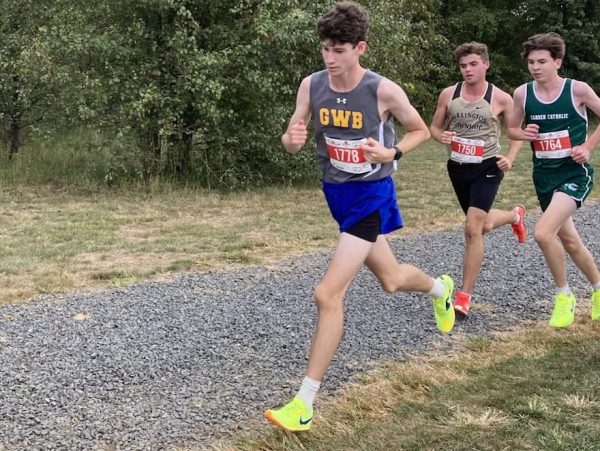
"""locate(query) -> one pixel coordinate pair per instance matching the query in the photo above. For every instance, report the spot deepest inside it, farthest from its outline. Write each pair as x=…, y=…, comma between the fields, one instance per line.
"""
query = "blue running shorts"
x=351, y=202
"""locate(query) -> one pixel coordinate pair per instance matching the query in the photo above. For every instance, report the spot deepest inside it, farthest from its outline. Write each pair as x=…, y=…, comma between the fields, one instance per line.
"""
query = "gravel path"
x=182, y=363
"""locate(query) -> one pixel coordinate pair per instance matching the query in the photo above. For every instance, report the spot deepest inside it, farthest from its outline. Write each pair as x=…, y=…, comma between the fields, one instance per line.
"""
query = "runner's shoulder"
x=502, y=97
x=390, y=92
x=446, y=95
x=580, y=88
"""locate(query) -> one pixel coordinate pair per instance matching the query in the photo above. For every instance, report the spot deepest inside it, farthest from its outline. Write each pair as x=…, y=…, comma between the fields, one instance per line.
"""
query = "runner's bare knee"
x=326, y=298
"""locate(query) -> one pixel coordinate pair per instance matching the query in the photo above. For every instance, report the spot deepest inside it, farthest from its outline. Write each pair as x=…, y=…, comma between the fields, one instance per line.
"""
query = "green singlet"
x=562, y=127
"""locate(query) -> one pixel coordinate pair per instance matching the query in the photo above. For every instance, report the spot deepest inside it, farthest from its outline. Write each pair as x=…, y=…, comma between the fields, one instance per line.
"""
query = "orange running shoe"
x=519, y=228
x=461, y=303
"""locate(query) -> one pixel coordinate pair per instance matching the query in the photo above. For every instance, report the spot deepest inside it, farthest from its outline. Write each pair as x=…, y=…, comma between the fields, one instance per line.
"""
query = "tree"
x=504, y=24
x=32, y=78
x=578, y=22
x=203, y=89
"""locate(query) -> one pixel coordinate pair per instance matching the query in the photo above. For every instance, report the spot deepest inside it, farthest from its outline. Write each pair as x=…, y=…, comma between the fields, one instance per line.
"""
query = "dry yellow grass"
x=59, y=241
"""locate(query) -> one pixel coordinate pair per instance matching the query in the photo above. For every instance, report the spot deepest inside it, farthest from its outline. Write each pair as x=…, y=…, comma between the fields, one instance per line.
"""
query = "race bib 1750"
x=465, y=150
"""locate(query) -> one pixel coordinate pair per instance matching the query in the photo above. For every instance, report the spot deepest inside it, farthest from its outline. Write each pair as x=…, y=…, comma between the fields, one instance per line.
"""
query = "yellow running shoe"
x=563, y=314
x=442, y=307
x=295, y=416
x=596, y=305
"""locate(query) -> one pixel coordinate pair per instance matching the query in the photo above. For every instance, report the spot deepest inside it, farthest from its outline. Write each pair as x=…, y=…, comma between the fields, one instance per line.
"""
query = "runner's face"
x=542, y=66
x=473, y=68
x=339, y=58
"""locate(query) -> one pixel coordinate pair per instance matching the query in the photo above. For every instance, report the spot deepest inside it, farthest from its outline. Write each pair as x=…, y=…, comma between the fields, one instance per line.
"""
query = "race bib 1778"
x=347, y=155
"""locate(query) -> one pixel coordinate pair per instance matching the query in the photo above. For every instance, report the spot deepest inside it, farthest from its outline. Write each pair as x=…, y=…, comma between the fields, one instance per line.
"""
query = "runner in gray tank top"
x=353, y=112
x=554, y=111
x=467, y=122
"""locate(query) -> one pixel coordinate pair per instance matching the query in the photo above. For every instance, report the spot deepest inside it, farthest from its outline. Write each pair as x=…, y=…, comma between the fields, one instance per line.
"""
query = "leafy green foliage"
x=405, y=47
x=504, y=24
x=204, y=89
x=34, y=81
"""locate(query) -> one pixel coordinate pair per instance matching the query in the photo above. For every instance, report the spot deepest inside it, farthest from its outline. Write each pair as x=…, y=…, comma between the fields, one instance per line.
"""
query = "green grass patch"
x=528, y=390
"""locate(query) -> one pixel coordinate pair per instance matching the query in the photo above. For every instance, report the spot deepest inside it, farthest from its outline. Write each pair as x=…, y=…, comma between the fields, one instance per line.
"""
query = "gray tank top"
x=342, y=121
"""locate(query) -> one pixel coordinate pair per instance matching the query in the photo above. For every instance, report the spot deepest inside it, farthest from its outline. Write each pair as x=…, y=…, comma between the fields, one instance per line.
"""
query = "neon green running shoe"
x=442, y=307
x=596, y=305
x=563, y=314
x=295, y=416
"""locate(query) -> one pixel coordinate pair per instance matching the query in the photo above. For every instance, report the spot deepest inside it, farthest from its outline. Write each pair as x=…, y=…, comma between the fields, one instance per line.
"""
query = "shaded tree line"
x=204, y=88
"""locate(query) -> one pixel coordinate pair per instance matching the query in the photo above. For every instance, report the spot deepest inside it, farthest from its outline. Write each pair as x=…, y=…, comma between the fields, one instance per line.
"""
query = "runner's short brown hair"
x=470, y=48
x=552, y=42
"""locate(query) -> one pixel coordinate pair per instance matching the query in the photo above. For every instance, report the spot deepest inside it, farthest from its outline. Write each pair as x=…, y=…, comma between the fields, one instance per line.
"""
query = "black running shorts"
x=475, y=184
x=367, y=228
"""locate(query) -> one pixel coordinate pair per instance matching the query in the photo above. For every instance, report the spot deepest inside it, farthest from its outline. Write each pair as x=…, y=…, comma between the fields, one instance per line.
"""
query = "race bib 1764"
x=552, y=145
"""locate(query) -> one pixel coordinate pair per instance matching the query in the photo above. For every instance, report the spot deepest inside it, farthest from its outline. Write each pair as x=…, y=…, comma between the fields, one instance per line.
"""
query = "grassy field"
x=59, y=240
x=536, y=389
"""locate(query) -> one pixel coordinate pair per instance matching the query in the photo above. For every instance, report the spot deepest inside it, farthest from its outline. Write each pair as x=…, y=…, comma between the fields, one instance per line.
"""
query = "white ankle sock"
x=308, y=390
x=438, y=290
x=566, y=289
x=596, y=286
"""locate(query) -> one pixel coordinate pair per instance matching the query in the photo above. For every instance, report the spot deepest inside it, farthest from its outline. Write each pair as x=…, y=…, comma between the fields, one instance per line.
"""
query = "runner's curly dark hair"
x=346, y=22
